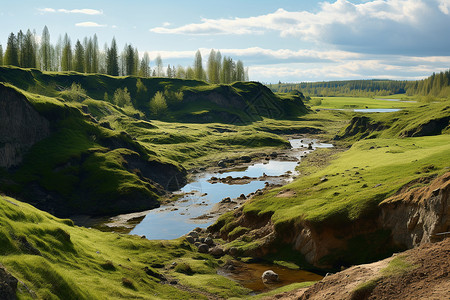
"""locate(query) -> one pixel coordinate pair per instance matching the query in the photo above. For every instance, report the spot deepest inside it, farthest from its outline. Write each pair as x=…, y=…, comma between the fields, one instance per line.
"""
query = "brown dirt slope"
x=427, y=277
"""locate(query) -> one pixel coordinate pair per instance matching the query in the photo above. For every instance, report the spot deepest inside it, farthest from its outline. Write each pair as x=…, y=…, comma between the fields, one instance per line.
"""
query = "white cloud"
x=89, y=24
x=165, y=24
x=444, y=6
x=85, y=11
x=375, y=26
x=262, y=54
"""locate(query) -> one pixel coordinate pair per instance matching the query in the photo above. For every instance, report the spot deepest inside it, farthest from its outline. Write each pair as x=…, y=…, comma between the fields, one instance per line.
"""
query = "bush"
x=74, y=93
x=158, y=104
x=122, y=98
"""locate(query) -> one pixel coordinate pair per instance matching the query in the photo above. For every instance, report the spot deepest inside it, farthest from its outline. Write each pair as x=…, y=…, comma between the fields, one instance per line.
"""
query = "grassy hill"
x=337, y=195
x=53, y=259
x=99, y=156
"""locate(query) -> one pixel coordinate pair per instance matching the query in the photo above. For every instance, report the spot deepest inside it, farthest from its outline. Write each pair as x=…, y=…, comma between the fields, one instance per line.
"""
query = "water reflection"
x=175, y=220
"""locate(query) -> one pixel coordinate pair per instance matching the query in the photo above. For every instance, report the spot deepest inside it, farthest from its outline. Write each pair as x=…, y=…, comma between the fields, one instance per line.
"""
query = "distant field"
x=357, y=102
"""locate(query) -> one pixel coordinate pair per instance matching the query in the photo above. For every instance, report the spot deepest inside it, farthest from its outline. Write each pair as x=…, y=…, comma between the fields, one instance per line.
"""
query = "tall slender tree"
x=45, y=50
x=1, y=55
x=20, y=46
x=144, y=68
x=198, y=66
x=12, y=51
x=240, y=71
x=211, y=67
x=28, y=51
x=79, y=63
x=95, y=55
x=159, y=66
x=112, y=60
x=66, y=55
x=88, y=55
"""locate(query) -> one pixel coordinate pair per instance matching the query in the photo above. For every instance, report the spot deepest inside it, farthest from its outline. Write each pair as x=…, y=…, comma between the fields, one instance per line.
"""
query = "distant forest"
x=437, y=85
x=24, y=50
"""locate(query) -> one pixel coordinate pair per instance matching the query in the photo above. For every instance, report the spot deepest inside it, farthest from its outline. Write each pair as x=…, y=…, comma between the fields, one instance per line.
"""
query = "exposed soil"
x=427, y=279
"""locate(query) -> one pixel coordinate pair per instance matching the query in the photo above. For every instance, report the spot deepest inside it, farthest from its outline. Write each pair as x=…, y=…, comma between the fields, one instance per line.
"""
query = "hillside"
x=67, y=152
x=333, y=214
x=50, y=258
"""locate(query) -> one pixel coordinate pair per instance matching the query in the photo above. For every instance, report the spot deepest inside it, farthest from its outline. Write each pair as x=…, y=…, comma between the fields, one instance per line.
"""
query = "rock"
x=377, y=185
x=202, y=240
x=273, y=154
x=203, y=248
x=310, y=147
x=194, y=234
x=246, y=159
x=233, y=251
x=226, y=200
x=217, y=251
x=323, y=179
x=196, y=244
x=209, y=241
x=242, y=196
x=221, y=164
x=8, y=285
x=190, y=239
x=198, y=229
x=269, y=276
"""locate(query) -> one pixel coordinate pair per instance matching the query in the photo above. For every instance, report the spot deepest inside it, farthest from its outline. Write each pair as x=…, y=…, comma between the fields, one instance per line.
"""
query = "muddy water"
x=174, y=220
x=249, y=275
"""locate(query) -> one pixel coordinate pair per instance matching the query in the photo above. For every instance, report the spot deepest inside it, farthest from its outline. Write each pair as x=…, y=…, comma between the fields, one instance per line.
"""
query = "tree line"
x=437, y=85
x=360, y=88
x=23, y=50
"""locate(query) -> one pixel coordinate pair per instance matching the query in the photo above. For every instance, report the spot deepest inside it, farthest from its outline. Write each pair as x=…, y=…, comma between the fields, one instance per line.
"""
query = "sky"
x=283, y=40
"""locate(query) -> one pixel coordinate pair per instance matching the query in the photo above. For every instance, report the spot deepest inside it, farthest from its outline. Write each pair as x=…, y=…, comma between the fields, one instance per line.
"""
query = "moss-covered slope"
x=53, y=259
x=187, y=100
x=78, y=166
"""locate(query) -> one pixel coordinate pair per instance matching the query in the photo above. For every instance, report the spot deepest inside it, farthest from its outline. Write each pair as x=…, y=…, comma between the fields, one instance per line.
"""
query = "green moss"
x=81, y=263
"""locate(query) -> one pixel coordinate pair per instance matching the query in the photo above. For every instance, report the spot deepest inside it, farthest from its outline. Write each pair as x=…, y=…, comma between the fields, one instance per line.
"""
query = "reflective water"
x=249, y=275
x=377, y=110
x=174, y=220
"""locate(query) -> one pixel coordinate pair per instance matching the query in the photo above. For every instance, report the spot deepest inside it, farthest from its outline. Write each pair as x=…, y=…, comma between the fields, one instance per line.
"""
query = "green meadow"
x=356, y=103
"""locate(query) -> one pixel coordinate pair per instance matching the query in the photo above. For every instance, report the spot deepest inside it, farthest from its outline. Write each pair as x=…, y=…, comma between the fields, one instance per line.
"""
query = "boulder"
x=246, y=159
x=209, y=241
x=269, y=276
x=193, y=234
x=190, y=239
x=233, y=251
x=217, y=251
x=203, y=248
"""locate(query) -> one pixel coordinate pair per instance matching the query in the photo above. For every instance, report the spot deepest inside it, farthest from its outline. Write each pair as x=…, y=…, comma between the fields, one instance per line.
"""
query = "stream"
x=200, y=195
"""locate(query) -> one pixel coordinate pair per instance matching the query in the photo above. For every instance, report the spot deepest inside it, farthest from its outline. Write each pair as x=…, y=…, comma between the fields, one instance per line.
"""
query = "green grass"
x=73, y=259
x=357, y=103
x=388, y=162
x=286, y=288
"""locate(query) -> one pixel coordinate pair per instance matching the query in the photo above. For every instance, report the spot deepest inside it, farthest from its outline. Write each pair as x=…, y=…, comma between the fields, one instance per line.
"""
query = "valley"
x=273, y=180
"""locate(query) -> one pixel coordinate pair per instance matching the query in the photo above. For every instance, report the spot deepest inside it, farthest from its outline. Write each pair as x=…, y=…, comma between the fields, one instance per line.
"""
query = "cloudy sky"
x=286, y=40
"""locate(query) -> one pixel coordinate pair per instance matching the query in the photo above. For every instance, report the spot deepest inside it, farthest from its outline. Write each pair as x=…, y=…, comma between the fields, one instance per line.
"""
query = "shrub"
x=74, y=93
x=158, y=104
x=122, y=98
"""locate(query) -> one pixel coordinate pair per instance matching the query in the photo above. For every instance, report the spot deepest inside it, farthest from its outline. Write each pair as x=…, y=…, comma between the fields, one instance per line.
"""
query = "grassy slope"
x=81, y=263
x=357, y=180
x=201, y=102
x=66, y=162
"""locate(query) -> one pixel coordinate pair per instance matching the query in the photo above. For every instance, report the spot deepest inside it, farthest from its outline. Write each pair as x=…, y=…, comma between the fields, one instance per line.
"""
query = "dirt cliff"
x=21, y=126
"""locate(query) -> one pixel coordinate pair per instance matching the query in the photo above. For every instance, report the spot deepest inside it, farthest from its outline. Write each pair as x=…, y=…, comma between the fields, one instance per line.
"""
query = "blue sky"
x=291, y=41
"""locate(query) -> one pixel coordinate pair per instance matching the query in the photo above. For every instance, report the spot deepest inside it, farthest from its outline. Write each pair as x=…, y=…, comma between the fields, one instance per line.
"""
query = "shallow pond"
x=377, y=110
x=176, y=219
x=249, y=275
